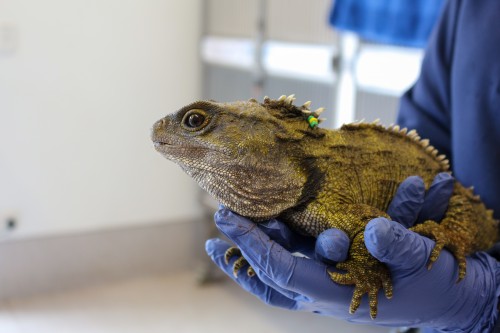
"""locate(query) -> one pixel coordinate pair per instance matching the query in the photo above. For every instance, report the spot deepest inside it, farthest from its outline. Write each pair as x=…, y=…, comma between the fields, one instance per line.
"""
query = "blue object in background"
x=405, y=23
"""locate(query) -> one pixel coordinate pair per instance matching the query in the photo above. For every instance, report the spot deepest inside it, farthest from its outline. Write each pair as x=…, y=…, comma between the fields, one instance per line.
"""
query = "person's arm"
x=425, y=107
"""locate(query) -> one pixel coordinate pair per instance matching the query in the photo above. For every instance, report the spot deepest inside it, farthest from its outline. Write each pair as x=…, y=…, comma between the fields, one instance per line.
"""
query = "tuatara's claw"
x=239, y=263
x=231, y=252
x=250, y=271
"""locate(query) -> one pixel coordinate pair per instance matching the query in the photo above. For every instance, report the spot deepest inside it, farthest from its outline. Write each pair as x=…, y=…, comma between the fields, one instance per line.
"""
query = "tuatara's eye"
x=195, y=120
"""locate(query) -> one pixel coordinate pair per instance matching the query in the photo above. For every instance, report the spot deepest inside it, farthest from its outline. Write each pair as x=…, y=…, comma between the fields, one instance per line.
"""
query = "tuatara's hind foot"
x=455, y=241
x=366, y=274
x=239, y=263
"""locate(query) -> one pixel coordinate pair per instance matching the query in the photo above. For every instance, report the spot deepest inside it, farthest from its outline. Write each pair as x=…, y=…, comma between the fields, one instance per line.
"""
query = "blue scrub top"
x=456, y=101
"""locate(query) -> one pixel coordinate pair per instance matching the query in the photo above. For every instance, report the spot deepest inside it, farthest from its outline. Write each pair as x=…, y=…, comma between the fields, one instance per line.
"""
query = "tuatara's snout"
x=160, y=133
x=157, y=130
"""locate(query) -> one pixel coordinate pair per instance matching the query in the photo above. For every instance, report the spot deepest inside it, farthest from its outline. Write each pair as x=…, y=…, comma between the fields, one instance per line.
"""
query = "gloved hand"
x=421, y=297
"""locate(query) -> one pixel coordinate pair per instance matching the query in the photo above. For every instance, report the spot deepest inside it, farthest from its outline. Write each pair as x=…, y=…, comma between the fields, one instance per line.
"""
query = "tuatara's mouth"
x=159, y=144
x=162, y=140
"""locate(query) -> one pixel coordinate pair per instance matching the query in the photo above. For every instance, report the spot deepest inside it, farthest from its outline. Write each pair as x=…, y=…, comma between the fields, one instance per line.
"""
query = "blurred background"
x=97, y=231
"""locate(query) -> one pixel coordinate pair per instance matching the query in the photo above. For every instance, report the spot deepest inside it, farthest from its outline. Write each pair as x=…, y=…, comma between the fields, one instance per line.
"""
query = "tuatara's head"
x=252, y=157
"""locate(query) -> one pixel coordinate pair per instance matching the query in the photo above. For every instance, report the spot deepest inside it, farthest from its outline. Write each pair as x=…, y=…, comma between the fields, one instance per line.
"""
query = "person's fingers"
x=293, y=242
x=260, y=251
x=437, y=198
x=216, y=249
x=407, y=202
x=271, y=259
x=398, y=247
x=332, y=245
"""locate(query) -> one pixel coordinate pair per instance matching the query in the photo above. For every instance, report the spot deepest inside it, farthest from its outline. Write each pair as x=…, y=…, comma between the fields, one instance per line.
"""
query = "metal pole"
x=259, y=74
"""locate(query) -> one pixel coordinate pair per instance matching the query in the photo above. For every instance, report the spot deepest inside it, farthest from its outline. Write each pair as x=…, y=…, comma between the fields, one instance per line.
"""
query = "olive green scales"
x=270, y=159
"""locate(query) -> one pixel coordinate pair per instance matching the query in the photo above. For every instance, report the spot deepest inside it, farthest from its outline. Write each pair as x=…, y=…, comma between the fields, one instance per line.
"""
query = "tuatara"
x=270, y=159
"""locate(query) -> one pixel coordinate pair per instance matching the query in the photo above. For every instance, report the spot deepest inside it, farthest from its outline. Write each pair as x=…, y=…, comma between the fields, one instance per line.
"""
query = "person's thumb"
x=398, y=247
x=332, y=246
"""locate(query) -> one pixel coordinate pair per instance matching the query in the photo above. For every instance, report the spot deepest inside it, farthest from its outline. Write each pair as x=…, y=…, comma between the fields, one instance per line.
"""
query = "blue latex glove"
x=421, y=297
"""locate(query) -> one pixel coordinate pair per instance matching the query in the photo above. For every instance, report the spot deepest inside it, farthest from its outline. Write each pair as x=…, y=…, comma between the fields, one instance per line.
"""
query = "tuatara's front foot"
x=366, y=274
x=239, y=263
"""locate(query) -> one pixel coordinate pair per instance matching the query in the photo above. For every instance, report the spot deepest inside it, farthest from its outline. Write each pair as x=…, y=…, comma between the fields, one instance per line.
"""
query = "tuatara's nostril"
x=159, y=125
x=161, y=122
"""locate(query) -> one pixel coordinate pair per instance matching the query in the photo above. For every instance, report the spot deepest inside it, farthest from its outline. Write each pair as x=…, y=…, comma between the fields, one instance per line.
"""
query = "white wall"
x=78, y=95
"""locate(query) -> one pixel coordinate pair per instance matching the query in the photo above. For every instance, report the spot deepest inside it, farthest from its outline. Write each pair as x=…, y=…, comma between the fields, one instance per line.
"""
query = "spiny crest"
x=424, y=143
x=403, y=132
x=287, y=109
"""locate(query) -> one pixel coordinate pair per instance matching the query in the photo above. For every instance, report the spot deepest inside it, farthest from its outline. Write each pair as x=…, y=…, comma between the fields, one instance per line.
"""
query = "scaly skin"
x=267, y=160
